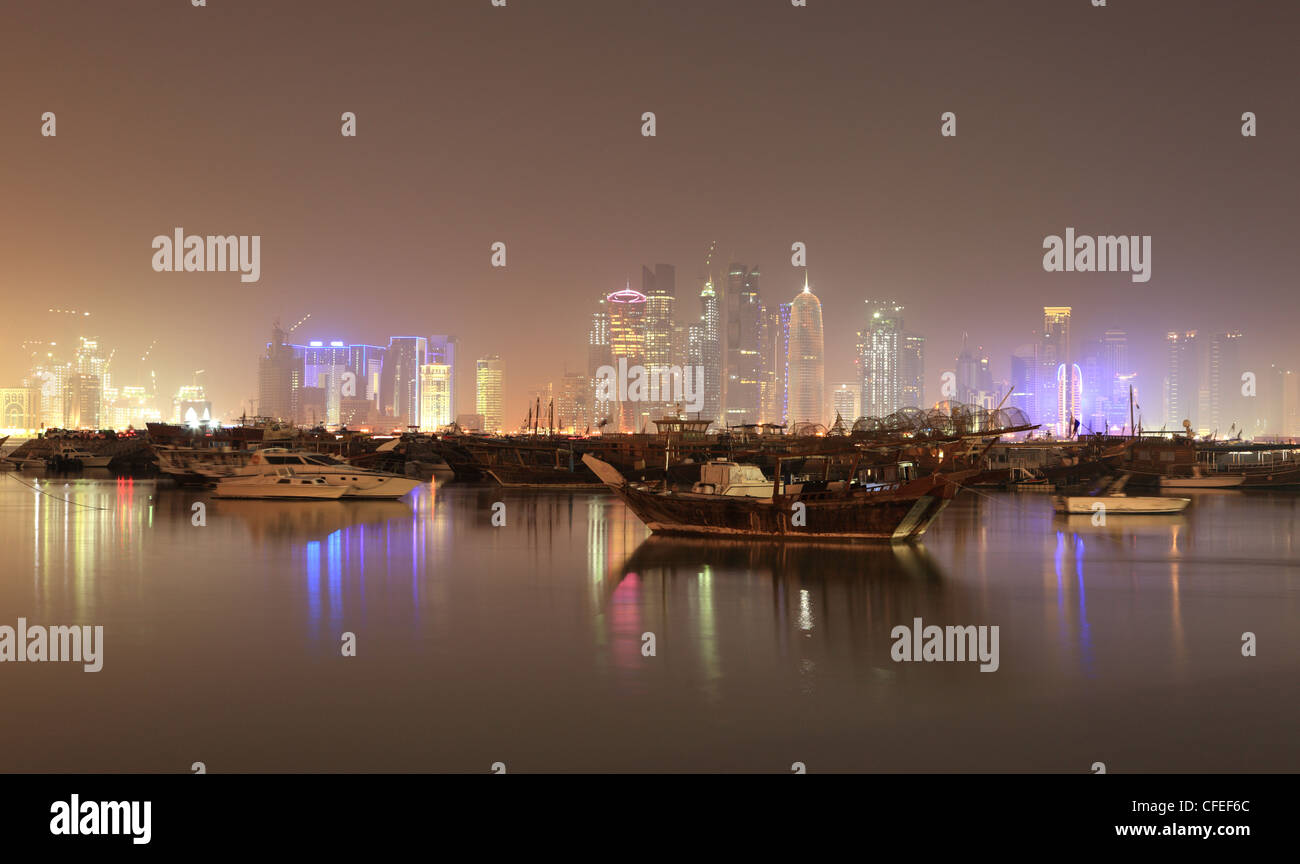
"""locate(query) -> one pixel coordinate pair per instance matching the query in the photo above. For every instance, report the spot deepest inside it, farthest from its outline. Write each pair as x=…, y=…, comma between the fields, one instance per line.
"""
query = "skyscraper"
x=776, y=366
x=599, y=355
x=1111, y=395
x=741, y=389
x=1069, y=397
x=279, y=379
x=1225, y=368
x=627, y=340
x=911, y=371
x=710, y=352
x=1024, y=380
x=807, y=359
x=659, y=285
x=1053, y=351
x=1182, y=384
x=400, y=389
x=490, y=388
x=846, y=400
x=442, y=350
x=879, y=360
x=435, y=396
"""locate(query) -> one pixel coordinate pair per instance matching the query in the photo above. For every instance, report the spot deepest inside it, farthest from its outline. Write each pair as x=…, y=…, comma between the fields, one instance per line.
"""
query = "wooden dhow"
x=846, y=509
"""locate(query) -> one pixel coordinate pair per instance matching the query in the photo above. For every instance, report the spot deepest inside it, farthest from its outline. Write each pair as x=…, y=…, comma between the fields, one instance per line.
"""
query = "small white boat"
x=84, y=458
x=1111, y=504
x=284, y=483
x=1201, y=480
x=1115, y=501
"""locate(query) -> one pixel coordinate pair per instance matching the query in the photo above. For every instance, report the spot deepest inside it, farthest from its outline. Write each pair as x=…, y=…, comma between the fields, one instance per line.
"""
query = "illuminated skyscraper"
x=490, y=389
x=846, y=401
x=599, y=354
x=1024, y=380
x=807, y=359
x=1225, y=367
x=1053, y=351
x=741, y=388
x=1069, y=397
x=400, y=389
x=442, y=351
x=710, y=352
x=911, y=371
x=279, y=380
x=435, y=396
x=878, y=359
x=627, y=341
x=1182, y=382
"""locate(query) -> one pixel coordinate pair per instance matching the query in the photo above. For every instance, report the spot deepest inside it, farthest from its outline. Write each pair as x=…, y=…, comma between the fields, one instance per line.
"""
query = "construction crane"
x=300, y=322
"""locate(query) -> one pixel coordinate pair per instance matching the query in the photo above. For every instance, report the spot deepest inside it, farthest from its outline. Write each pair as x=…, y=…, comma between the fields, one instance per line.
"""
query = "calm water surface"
x=522, y=644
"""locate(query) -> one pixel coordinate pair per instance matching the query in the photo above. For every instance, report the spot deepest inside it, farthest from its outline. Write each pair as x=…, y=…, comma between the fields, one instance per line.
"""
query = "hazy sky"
x=523, y=125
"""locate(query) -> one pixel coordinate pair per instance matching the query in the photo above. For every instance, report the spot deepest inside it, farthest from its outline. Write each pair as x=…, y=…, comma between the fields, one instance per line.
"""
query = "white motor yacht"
x=356, y=482
x=281, y=483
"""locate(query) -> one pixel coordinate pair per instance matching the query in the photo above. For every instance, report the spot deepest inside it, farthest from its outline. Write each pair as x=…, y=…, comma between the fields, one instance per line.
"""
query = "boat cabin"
x=732, y=478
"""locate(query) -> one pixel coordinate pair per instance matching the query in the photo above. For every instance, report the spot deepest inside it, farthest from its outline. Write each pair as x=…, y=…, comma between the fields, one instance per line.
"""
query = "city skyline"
x=376, y=235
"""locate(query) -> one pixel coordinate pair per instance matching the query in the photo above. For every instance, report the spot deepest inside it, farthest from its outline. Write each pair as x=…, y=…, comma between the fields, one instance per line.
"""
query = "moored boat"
x=283, y=483
x=1201, y=479
x=843, y=509
x=1112, y=504
x=355, y=482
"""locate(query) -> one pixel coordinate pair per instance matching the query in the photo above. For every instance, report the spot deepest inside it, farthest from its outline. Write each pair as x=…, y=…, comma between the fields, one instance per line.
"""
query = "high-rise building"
x=400, y=389
x=846, y=400
x=366, y=363
x=974, y=376
x=1182, y=381
x=1053, y=352
x=710, y=352
x=435, y=396
x=442, y=352
x=659, y=285
x=879, y=360
x=326, y=365
x=742, y=390
x=1069, y=397
x=490, y=389
x=911, y=371
x=280, y=380
x=807, y=359
x=776, y=366
x=600, y=354
x=1227, y=411
x=1109, y=397
x=571, y=412
x=627, y=340
x=1024, y=380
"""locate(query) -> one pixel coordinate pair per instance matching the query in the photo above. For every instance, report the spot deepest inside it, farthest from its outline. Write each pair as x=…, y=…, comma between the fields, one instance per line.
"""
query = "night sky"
x=522, y=124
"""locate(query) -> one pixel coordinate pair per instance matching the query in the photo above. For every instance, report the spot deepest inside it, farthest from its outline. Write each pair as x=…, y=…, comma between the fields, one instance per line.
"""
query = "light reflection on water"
x=524, y=643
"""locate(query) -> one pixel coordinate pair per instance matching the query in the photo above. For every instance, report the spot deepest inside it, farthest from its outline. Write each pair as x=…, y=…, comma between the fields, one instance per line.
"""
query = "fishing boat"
x=727, y=504
x=355, y=482
x=281, y=483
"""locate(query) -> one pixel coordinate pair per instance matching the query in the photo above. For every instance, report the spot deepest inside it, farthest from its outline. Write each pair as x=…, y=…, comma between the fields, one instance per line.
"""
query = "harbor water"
x=423, y=635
